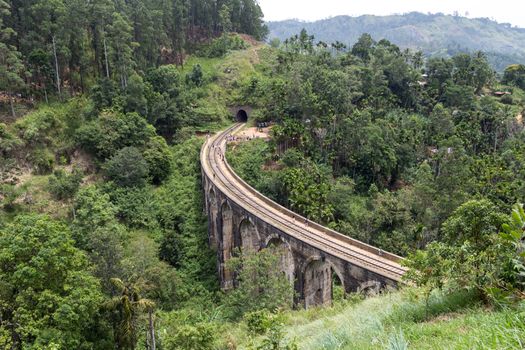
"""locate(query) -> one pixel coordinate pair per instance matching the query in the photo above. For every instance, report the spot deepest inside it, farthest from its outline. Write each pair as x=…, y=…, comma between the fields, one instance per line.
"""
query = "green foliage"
x=308, y=191
x=137, y=207
x=184, y=241
x=260, y=285
x=63, y=185
x=77, y=43
x=475, y=222
x=8, y=141
x=40, y=127
x=97, y=232
x=43, y=161
x=127, y=168
x=200, y=336
x=135, y=100
x=158, y=156
x=11, y=69
x=513, y=233
x=195, y=76
x=9, y=195
x=275, y=340
x=125, y=308
x=473, y=255
x=260, y=321
x=103, y=93
x=48, y=296
x=156, y=279
x=248, y=161
x=515, y=75
x=397, y=341
x=220, y=46
x=113, y=131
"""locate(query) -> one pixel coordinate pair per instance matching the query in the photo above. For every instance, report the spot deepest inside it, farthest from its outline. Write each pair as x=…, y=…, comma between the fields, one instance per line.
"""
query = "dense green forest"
x=435, y=34
x=62, y=48
x=103, y=239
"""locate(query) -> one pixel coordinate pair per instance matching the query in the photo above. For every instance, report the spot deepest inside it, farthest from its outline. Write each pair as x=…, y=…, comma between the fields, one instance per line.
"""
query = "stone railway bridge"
x=239, y=217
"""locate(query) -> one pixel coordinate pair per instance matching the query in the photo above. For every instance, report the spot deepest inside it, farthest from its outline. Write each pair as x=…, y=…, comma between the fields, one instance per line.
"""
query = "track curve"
x=219, y=172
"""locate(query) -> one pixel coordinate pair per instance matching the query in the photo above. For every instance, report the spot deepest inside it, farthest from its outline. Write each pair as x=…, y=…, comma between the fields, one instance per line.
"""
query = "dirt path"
x=253, y=132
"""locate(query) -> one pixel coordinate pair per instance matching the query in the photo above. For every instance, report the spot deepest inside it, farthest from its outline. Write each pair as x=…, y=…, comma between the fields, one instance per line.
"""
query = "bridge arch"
x=250, y=240
x=369, y=288
x=242, y=116
x=228, y=244
x=286, y=259
x=318, y=281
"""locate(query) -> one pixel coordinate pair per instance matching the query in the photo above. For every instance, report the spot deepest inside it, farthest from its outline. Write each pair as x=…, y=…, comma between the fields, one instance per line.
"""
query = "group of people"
x=232, y=138
x=305, y=220
x=219, y=151
x=261, y=126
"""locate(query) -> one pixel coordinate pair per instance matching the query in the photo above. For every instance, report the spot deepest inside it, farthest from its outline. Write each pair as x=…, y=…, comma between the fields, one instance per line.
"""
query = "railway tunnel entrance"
x=242, y=116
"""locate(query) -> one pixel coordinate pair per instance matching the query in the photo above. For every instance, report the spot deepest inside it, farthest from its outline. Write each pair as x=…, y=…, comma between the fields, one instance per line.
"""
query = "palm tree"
x=126, y=307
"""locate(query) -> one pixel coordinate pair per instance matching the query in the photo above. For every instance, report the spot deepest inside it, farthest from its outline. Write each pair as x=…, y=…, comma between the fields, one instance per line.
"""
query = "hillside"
x=435, y=34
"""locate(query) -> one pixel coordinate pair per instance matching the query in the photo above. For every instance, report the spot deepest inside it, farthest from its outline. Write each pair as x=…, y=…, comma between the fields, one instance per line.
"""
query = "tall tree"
x=11, y=67
x=121, y=47
x=126, y=307
x=49, y=20
x=47, y=296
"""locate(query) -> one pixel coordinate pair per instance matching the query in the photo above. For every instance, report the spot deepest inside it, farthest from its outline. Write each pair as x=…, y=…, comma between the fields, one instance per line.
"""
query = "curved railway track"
x=232, y=186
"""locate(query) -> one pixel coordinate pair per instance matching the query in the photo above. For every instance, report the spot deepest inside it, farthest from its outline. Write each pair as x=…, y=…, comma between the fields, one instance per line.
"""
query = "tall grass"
x=401, y=320
x=397, y=341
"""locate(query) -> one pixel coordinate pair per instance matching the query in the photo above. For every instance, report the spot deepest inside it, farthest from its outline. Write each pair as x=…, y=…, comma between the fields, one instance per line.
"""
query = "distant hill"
x=434, y=34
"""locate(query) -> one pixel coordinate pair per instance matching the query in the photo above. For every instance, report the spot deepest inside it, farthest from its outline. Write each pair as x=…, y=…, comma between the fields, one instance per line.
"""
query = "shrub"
x=275, y=340
x=38, y=127
x=64, y=186
x=43, y=161
x=9, y=195
x=220, y=46
x=196, y=76
x=137, y=207
x=127, y=168
x=158, y=156
x=507, y=99
x=8, y=141
x=259, y=322
x=113, y=131
x=191, y=337
x=292, y=158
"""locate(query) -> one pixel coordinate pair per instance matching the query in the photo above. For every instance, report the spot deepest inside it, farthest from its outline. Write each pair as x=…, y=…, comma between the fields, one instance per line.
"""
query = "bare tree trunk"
x=106, y=58
x=496, y=141
x=151, y=329
x=45, y=94
x=12, y=103
x=56, y=67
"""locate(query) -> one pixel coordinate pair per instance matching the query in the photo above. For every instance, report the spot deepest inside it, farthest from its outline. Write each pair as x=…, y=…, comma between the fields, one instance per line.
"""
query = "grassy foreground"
x=400, y=320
